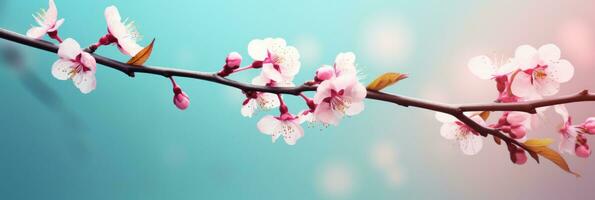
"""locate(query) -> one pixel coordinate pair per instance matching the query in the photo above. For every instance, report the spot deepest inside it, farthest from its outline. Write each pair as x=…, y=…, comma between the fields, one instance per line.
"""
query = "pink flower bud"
x=325, y=73
x=181, y=100
x=520, y=157
x=518, y=132
x=589, y=125
x=582, y=151
x=233, y=60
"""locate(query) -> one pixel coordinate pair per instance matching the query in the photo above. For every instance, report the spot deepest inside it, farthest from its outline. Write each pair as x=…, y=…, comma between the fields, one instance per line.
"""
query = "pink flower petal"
x=471, y=145
x=61, y=69
x=56, y=26
x=526, y=57
x=449, y=131
x=51, y=15
x=295, y=134
x=549, y=53
x=561, y=71
x=88, y=61
x=519, y=118
x=269, y=71
x=546, y=86
x=354, y=108
x=323, y=91
x=85, y=82
x=561, y=109
x=36, y=32
x=521, y=85
x=269, y=125
x=257, y=49
x=445, y=118
x=567, y=144
x=482, y=67
x=249, y=108
x=69, y=49
x=325, y=114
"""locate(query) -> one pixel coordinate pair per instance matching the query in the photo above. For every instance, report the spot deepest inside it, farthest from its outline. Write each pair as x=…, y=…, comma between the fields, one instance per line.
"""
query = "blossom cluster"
x=339, y=93
x=530, y=75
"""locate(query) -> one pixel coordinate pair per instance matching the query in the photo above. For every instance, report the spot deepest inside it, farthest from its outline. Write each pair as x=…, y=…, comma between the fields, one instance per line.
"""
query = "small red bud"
x=589, y=125
x=582, y=151
x=181, y=100
x=257, y=64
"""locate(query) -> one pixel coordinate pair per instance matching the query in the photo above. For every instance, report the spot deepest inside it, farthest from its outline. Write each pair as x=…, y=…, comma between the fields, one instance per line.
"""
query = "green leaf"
x=142, y=56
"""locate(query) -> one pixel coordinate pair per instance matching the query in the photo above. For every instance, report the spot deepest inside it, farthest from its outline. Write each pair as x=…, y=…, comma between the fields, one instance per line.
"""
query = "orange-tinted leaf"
x=540, y=147
x=386, y=80
x=539, y=142
x=485, y=115
x=142, y=56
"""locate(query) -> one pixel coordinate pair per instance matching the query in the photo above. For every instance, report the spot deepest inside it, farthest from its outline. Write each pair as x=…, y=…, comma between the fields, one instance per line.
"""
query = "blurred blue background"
x=126, y=140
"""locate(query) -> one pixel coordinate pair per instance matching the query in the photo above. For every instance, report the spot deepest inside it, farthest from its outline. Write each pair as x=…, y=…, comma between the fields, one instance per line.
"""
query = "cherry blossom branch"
x=454, y=110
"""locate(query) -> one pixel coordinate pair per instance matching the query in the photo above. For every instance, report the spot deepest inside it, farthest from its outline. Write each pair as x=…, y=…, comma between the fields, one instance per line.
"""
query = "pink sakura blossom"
x=542, y=70
x=469, y=140
x=484, y=68
x=48, y=23
x=589, y=125
x=280, y=63
x=517, y=124
x=573, y=140
x=258, y=100
x=123, y=33
x=345, y=64
x=286, y=125
x=75, y=64
x=338, y=97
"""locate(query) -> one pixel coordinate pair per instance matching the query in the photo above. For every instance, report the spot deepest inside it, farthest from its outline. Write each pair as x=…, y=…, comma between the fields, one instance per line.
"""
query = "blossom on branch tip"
x=324, y=73
x=542, y=70
x=123, y=33
x=48, y=23
x=233, y=60
x=573, y=139
x=75, y=64
x=285, y=125
x=516, y=124
x=280, y=63
x=469, y=140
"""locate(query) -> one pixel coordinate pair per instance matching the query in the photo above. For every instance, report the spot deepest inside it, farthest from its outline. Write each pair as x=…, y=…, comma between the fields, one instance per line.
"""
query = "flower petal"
x=449, y=130
x=325, y=114
x=546, y=86
x=345, y=63
x=69, y=49
x=85, y=82
x=521, y=85
x=296, y=132
x=268, y=101
x=61, y=69
x=561, y=109
x=269, y=71
x=549, y=53
x=257, y=49
x=128, y=46
x=526, y=57
x=323, y=91
x=56, y=26
x=89, y=62
x=249, y=108
x=51, y=15
x=36, y=32
x=567, y=144
x=471, y=145
x=519, y=118
x=270, y=125
x=354, y=108
x=561, y=71
x=482, y=67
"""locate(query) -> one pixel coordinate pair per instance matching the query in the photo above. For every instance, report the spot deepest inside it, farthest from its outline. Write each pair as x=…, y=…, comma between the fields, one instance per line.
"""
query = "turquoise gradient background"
x=128, y=141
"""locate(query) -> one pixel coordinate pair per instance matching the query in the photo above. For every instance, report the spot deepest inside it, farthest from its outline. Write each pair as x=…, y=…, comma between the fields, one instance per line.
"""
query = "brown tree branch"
x=454, y=110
